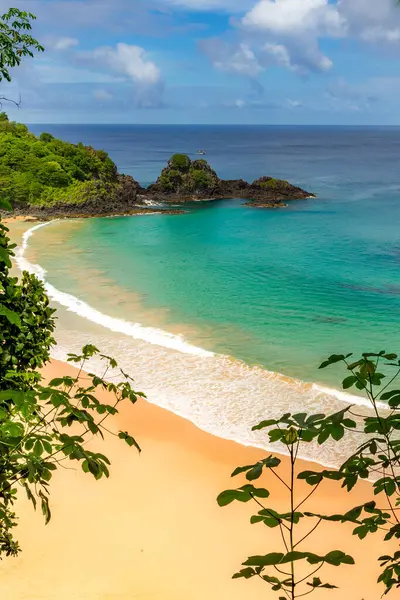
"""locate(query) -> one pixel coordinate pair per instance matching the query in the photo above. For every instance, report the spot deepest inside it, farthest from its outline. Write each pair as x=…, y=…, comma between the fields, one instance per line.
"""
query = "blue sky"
x=211, y=61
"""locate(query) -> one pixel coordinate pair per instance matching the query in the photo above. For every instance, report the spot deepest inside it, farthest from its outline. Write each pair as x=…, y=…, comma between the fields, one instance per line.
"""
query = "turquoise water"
x=205, y=310
x=281, y=288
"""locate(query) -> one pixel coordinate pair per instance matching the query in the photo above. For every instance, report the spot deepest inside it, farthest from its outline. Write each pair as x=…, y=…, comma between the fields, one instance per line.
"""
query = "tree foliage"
x=45, y=170
x=377, y=458
x=16, y=41
x=180, y=162
x=185, y=176
x=42, y=426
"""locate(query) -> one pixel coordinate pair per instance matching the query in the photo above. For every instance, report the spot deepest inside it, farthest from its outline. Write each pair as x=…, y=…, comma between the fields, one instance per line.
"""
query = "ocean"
x=224, y=314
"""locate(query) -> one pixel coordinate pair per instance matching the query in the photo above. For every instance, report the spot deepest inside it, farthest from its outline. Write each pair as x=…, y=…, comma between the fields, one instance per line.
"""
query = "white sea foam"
x=73, y=304
x=220, y=395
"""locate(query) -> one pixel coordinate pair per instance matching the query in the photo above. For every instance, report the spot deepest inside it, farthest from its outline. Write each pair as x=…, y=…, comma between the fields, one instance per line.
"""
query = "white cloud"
x=280, y=54
x=294, y=16
x=372, y=21
x=128, y=60
x=242, y=62
x=65, y=43
x=292, y=29
x=133, y=63
x=239, y=60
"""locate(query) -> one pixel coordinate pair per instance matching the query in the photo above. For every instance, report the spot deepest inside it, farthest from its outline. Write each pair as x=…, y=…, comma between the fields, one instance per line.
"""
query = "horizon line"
x=218, y=124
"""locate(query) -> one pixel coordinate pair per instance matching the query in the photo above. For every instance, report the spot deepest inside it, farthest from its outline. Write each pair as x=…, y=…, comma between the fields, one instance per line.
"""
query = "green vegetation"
x=378, y=457
x=44, y=170
x=186, y=177
x=181, y=162
x=15, y=40
x=36, y=418
x=272, y=183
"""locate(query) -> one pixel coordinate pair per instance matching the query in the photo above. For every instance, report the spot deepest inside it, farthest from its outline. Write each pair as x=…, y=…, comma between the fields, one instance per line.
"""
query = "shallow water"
x=195, y=301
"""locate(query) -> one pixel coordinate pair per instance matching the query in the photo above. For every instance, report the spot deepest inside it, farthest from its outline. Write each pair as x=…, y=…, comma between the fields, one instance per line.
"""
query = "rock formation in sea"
x=47, y=178
x=184, y=180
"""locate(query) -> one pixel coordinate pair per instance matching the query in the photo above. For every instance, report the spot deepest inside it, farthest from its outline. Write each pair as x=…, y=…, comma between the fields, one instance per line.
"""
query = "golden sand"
x=154, y=529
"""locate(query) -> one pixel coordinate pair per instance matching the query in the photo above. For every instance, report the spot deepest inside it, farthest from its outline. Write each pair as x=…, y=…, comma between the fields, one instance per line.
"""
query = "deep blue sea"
x=276, y=289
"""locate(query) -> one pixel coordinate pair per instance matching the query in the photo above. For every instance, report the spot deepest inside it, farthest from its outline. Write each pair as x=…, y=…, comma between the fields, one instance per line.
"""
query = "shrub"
x=181, y=162
x=46, y=137
x=201, y=179
x=36, y=418
x=52, y=174
x=48, y=163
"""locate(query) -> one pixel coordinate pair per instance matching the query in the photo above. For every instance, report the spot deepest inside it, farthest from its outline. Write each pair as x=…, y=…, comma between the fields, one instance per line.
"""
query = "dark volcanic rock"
x=121, y=198
x=180, y=182
x=184, y=180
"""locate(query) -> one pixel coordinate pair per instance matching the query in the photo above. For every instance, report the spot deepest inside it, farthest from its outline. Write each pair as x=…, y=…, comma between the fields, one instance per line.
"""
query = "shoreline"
x=31, y=218
x=329, y=399
x=157, y=515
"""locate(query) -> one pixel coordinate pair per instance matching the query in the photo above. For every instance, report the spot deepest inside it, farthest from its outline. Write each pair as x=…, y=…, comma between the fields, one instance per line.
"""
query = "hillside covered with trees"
x=47, y=172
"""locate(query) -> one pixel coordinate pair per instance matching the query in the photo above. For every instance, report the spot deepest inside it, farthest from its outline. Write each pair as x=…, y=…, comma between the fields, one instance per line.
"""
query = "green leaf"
x=10, y=315
x=272, y=462
x=38, y=448
x=255, y=472
x=311, y=477
x=294, y=556
x=337, y=557
x=45, y=507
x=243, y=494
x=349, y=382
x=264, y=424
x=15, y=430
x=240, y=470
x=353, y=514
x=317, y=583
x=334, y=358
x=337, y=432
x=5, y=257
x=124, y=435
x=269, y=517
x=56, y=382
x=274, y=558
x=275, y=435
x=246, y=573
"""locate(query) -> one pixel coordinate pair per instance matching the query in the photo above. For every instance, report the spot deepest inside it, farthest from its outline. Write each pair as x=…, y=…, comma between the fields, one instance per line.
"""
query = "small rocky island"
x=184, y=180
x=44, y=178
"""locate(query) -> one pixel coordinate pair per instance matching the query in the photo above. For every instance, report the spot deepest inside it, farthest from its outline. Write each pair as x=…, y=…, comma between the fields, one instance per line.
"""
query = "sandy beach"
x=154, y=529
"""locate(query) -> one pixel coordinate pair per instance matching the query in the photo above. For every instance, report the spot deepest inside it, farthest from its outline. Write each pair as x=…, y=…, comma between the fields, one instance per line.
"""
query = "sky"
x=211, y=62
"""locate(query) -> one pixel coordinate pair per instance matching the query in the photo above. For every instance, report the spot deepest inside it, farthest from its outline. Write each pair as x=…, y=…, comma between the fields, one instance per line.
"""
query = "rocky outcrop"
x=120, y=198
x=184, y=180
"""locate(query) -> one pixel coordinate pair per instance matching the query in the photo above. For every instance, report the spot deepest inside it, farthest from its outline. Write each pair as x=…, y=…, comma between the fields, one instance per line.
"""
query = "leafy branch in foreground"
x=280, y=569
x=44, y=427
x=16, y=41
x=376, y=458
